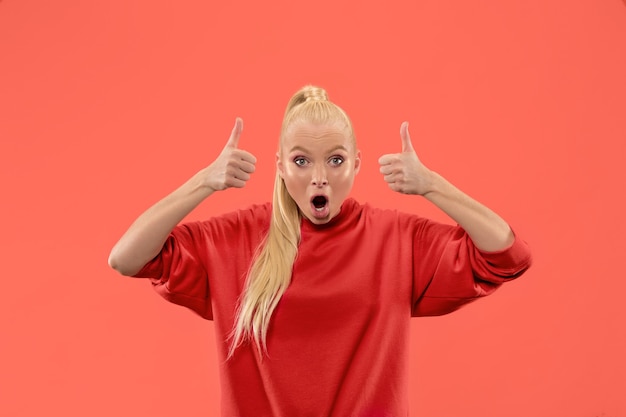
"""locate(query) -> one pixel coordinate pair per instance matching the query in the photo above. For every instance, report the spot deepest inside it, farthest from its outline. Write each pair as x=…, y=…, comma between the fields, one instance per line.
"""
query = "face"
x=318, y=164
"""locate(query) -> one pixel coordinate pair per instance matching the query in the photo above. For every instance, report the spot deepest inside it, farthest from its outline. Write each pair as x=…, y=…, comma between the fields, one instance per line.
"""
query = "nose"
x=319, y=177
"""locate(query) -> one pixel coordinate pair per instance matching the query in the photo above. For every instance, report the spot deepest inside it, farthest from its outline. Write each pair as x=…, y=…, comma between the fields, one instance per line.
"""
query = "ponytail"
x=270, y=272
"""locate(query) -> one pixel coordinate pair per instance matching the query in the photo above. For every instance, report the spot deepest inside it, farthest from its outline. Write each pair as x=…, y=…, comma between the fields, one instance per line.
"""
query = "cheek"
x=294, y=174
x=342, y=176
x=295, y=181
x=344, y=181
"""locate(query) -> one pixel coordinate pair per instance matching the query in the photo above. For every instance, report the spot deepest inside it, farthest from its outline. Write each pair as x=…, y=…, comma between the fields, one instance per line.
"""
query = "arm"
x=488, y=231
x=405, y=173
x=146, y=236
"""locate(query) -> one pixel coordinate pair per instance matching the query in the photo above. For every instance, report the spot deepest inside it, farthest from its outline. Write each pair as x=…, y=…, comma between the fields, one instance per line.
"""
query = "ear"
x=357, y=162
x=279, y=166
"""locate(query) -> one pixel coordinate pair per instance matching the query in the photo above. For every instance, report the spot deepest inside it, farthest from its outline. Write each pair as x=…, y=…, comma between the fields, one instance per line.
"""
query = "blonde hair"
x=271, y=269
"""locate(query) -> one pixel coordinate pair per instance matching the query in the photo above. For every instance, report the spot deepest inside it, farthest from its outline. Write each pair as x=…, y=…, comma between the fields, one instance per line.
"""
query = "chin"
x=320, y=221
x=315, y=219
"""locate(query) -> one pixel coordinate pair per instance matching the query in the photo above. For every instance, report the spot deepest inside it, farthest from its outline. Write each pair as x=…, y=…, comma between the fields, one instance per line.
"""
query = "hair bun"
x=308, y=93
x=313, y=93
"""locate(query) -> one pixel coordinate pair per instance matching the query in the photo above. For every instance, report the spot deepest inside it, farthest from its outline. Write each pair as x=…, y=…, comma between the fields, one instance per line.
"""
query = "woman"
x=312, y=295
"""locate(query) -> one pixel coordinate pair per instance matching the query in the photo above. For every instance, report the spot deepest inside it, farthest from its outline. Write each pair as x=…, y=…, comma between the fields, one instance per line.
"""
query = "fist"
x=233, y=166
x=403, y=171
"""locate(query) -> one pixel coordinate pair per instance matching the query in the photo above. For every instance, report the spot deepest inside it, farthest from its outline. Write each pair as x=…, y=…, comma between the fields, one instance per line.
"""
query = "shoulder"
x=253, y=217
x=254, y=212
x=373, y=218
x=367, y=210
x=406, y=222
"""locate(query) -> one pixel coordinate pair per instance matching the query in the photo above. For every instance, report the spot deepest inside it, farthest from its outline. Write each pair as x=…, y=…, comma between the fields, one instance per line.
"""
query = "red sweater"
x=338, y=341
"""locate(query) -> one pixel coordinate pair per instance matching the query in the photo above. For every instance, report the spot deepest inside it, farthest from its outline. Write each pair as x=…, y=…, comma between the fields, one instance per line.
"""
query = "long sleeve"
x=203, y=264
x=178, y=273
x=449, y=271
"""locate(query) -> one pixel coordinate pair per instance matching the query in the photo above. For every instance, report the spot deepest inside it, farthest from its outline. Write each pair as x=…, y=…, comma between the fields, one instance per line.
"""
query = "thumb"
x=407, y=146
x=233, y=141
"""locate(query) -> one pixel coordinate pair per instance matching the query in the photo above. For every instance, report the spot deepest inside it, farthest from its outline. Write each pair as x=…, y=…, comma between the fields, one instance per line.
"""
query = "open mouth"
x=320, y=208
x=319, y=202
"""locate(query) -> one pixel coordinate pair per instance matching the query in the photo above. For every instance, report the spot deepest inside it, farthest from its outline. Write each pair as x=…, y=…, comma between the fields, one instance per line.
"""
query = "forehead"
x=316, y=136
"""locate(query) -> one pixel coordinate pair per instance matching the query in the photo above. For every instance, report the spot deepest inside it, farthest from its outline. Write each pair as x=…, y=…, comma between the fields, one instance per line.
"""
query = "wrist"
x=436, y=185
x=198, y=184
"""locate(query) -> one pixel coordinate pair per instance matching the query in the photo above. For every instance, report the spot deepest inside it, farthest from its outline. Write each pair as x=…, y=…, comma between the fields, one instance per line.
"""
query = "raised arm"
x=145, y=237
x=405, y=173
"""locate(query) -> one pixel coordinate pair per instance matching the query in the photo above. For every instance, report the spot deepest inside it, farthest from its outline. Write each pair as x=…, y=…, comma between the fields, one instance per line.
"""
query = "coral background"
x=105, y=107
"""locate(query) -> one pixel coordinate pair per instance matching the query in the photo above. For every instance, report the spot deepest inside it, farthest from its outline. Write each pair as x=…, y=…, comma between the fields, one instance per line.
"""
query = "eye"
x=299, y=161
x=336, y=160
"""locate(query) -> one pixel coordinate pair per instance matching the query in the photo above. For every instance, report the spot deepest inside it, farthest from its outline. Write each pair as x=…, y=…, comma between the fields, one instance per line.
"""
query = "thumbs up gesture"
x=233, y=166
x=403, y=171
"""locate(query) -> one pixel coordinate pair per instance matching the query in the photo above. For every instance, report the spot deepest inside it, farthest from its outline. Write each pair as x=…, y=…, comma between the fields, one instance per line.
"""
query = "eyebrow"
x=302, y=149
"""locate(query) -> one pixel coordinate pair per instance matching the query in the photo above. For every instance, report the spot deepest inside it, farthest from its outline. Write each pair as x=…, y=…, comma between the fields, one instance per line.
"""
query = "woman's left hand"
x=404, y=172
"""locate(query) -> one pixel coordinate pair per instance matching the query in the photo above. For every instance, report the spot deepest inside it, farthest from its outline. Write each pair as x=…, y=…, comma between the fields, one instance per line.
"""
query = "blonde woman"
x=312, y=294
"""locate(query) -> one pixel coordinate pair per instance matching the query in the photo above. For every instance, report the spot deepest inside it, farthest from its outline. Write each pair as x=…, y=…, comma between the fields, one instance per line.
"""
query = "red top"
x=338, y=340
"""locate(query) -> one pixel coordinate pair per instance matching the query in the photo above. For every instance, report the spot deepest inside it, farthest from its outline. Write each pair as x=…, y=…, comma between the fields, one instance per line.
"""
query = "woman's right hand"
x=145, y=237
x=233, y=166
